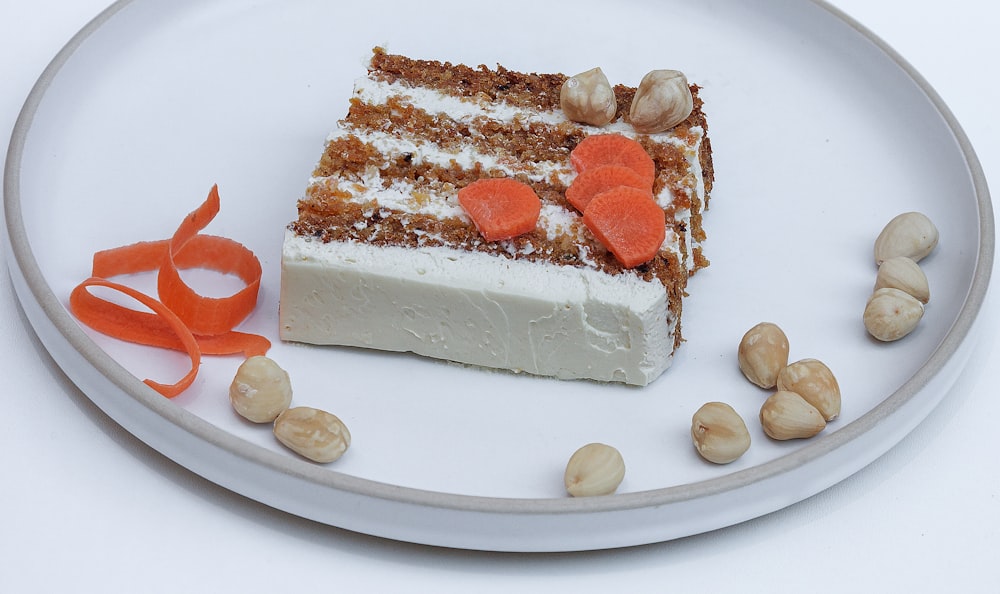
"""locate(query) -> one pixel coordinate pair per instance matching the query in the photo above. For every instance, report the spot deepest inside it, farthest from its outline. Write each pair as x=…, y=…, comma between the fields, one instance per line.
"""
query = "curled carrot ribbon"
x=181, y=319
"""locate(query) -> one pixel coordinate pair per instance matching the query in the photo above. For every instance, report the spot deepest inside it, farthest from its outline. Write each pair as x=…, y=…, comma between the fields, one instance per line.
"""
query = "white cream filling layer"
x=476, y=309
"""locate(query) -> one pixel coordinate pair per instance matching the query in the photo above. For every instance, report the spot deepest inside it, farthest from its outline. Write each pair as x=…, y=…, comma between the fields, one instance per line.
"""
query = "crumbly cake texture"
x=417, y=131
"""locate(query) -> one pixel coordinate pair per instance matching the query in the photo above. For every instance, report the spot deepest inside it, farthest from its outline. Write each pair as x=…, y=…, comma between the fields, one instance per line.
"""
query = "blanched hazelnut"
x=719, y=433
x=260, y=390
x=312, y=433
x=588, y=98
x=786, y=415
x=763, y=353
x=594, y=469
x=662, y=101
x=910, y=234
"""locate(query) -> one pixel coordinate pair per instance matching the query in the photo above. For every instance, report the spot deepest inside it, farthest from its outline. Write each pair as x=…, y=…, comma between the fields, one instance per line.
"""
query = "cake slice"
x=383, y=256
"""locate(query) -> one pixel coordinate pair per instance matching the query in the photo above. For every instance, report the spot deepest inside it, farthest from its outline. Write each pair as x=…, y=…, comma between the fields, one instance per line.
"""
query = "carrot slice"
x=628, y=222
x=500, y=207
x=613, y=149
x=181, y=319
x=595, y=180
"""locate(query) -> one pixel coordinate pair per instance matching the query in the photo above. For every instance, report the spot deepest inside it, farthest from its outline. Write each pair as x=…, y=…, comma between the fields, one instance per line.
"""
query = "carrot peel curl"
x=181, y=319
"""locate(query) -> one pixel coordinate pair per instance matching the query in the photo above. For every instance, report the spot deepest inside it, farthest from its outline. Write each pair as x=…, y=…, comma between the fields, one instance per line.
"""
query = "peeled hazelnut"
x=786, y=415
x=891, y=314
x=904, y=274
x=719, y=433
x=910, y=234
x=594, y=469
x=662, y=101
x=260, y=390
x=588, y=98
x=312, y=433
x=762, y=353
x=814, y=382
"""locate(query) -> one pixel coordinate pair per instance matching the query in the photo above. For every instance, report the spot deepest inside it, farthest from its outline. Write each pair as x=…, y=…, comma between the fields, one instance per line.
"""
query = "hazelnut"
x=786, y=415
x=594, y=469
x=762, y=353
x=719, y=433
x=588, y=98
x=904, y=274
x=891, y=314
x=260, y=390
x=814, y=382
x=910, y=234
x=312, y=433
x=662, y=101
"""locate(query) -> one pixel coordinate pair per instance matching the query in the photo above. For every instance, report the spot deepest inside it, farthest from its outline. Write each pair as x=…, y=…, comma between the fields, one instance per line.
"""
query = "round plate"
x=821, y=135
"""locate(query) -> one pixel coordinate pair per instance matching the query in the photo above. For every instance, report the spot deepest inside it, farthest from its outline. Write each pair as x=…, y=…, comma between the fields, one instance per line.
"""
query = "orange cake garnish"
x=595, y=180
x=628, y=222
x=500, y=207
x=613, y=149
x=181, y=319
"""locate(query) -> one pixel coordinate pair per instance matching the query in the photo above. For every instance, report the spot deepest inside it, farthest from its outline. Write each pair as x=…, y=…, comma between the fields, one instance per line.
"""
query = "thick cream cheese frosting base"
x=474, y=308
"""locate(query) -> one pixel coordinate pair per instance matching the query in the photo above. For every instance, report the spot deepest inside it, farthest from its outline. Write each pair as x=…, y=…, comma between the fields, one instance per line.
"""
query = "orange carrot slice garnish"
x=181, y=319
x=628, y=222
x=595, y=180
x=501, y=207
x=613, y=149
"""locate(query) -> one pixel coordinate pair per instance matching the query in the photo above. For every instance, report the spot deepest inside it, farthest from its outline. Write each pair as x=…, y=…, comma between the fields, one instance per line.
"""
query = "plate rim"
x=21, y=257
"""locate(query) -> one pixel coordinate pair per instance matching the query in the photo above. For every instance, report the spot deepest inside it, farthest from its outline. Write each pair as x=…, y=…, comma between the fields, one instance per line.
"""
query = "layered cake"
x=384, y=255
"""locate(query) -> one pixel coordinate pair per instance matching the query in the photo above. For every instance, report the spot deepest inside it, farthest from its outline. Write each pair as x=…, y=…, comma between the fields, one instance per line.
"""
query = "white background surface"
x=85, y=506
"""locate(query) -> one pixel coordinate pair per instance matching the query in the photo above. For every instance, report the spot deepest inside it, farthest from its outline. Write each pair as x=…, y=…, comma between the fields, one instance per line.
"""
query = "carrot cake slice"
x=383, y=255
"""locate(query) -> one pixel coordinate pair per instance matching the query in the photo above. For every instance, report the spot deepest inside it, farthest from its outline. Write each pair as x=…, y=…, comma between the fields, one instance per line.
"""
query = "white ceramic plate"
x=821, y=135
